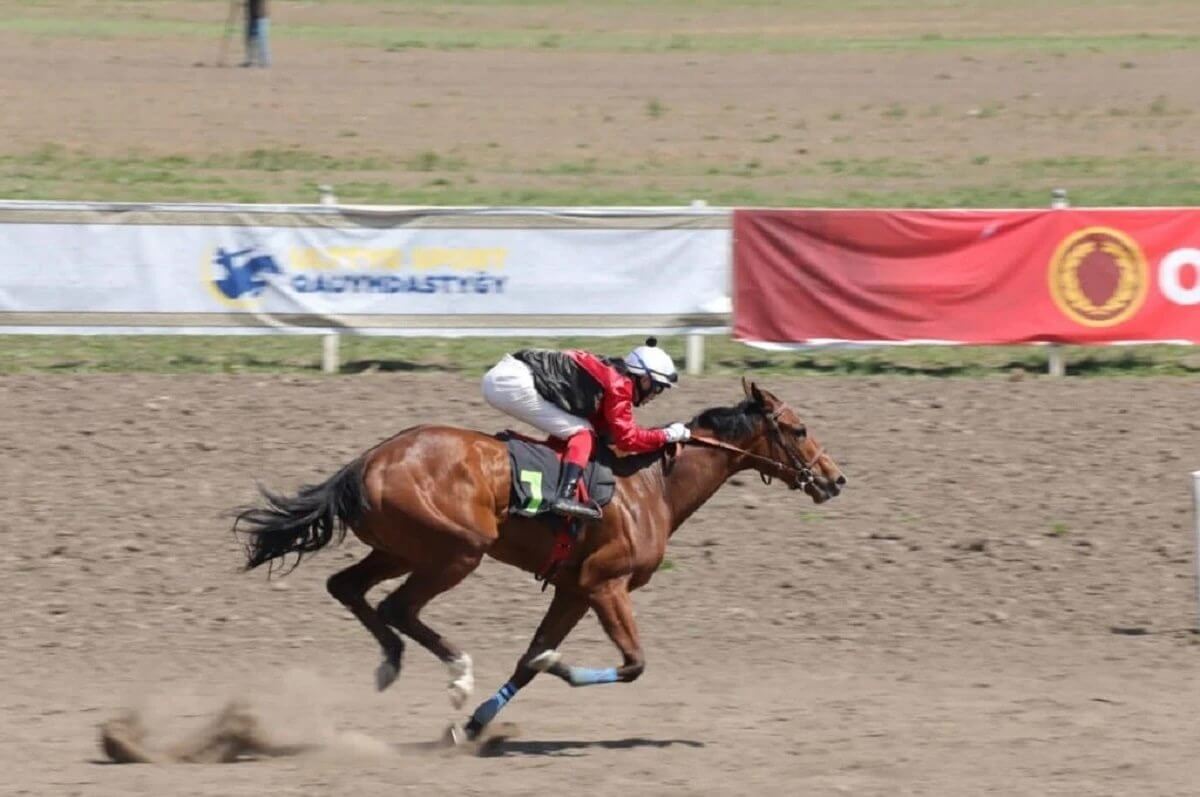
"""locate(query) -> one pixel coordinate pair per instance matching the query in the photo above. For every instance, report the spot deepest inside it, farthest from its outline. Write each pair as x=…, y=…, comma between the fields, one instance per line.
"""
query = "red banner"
x=965, y=276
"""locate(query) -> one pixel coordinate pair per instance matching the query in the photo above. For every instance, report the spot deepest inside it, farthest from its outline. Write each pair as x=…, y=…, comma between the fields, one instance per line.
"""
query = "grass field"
x=513, y=102
x=920, y=103
x=232, y=354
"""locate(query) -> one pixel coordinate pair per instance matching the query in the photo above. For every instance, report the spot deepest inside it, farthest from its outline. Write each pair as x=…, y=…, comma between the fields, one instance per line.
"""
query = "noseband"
x=802, y=469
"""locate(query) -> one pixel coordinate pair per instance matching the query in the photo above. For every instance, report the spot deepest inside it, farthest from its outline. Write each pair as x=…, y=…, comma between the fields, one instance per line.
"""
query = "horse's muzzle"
x=821, y=489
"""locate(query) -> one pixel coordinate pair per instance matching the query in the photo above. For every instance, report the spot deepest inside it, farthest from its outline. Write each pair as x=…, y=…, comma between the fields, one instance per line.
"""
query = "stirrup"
x=573, y=508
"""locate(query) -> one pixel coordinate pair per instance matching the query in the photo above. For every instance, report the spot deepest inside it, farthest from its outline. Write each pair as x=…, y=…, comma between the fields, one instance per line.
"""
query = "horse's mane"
x=729, y=423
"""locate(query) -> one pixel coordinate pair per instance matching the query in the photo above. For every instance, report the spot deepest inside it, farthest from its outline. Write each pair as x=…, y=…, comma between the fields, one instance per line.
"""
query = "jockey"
x=574, y=394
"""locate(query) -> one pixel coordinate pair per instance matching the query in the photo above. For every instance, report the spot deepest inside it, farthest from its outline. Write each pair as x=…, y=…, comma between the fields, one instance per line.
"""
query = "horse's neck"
x=696, y=474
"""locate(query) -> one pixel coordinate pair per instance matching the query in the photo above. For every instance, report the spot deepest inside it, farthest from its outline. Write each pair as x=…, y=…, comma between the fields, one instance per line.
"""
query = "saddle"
x=536, y=466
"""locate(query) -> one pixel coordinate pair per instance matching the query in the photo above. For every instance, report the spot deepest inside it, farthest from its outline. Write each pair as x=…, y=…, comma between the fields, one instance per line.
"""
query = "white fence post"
x=327, y=195
x=1056, y=364
x=329, y=353
x=694, y=359
x=1196, y=523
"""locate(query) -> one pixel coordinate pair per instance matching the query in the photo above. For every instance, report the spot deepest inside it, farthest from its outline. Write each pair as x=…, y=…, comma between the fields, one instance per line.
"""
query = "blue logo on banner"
x=243, y=272
x=238, y=276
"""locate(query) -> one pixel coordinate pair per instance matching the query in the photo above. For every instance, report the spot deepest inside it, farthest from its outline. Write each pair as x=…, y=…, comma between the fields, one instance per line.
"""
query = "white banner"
x=413, y=272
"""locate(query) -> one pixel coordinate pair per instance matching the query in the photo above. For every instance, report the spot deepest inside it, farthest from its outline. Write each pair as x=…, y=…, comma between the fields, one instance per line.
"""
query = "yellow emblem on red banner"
x=1099, y=277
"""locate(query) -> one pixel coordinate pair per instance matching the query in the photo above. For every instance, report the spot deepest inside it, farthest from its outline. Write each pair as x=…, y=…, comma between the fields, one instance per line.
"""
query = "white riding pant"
x=509, y=388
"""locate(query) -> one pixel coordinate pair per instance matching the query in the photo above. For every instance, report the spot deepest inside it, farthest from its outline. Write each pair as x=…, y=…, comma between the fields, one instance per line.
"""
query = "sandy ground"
x=945, y=627
x=798, y=124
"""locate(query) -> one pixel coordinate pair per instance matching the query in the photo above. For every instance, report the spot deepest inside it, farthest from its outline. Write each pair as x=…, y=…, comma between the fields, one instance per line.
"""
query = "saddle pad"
x=535, y=471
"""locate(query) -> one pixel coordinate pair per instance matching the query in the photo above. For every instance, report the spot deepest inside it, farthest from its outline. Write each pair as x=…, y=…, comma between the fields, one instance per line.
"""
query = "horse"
x=432, y=501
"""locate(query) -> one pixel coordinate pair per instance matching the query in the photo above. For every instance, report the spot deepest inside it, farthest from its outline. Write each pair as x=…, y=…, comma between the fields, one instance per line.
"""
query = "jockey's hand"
x=677, y=433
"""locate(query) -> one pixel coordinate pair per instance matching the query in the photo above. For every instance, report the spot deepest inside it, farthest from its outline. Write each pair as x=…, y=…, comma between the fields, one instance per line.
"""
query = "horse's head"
x=777, y=441
x=784, y=438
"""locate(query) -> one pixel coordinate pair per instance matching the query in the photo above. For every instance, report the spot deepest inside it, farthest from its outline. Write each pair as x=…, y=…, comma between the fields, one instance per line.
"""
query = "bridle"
x=802, y=469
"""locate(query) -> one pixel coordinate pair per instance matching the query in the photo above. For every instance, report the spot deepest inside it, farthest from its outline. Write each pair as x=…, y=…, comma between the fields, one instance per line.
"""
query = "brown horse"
x=433, y=500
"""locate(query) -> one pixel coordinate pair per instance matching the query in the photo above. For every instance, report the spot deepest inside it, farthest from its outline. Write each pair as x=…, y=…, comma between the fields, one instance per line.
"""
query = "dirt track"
x=942, y=628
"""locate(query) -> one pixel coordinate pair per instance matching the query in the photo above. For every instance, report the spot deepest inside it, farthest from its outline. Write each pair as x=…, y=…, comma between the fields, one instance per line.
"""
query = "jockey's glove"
x=677, y=433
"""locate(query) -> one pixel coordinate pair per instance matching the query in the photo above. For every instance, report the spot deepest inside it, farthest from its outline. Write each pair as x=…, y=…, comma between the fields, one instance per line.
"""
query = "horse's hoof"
x=462, y=682
x=545, y=660
x=455, y=736
x=459, y=694
x=386, y=674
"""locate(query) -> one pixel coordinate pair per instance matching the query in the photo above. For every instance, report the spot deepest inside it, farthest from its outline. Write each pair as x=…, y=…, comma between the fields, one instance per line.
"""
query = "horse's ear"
x=753, y=393
x=759, y=396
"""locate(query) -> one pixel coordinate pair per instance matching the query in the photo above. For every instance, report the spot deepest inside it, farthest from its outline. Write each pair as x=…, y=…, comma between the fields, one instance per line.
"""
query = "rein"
x=802, y=469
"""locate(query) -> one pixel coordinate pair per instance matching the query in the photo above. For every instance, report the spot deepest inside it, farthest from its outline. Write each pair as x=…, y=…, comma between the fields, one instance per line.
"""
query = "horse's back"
x=439, y=467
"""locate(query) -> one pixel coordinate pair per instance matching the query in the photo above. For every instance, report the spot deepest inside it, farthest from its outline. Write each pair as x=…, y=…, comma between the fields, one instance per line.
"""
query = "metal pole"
x=329, y=353
x=1196, y=523
x=694, y=358
x=1056, y=364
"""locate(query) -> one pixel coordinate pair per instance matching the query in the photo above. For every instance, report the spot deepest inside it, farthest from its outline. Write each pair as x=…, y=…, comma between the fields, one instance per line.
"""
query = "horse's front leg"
x=614, y=608
x=566, y=610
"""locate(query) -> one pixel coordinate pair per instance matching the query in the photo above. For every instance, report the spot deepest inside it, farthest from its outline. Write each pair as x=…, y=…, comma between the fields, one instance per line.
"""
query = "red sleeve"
x=617, y=409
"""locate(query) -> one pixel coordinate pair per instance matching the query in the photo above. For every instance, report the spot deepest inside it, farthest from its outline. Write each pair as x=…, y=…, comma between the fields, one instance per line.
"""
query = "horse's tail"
x=305, y=522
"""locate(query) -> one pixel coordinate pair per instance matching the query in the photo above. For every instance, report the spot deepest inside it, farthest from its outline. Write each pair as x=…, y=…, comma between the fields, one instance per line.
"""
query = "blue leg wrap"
x=586, y=676
x=489, y=708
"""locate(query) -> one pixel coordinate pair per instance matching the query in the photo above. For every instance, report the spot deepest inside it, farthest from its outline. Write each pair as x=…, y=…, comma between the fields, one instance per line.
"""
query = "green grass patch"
x=587, y=166
x=875, y=167
x=135, y=186
x=473, y=356
x=1125, y=168
x=291, y=174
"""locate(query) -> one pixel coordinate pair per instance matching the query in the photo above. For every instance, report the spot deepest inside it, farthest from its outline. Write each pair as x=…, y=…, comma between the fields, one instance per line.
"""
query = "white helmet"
x=650, y=359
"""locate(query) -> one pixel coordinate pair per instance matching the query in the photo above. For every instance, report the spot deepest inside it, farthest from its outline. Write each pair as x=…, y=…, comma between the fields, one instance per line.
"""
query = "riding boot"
x=567, y=502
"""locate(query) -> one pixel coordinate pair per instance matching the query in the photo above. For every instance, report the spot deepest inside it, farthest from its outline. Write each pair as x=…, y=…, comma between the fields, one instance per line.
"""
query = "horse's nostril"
x=841, y=481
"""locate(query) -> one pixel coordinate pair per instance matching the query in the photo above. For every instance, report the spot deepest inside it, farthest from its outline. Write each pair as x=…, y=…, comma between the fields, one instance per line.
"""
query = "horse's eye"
x=800, y=432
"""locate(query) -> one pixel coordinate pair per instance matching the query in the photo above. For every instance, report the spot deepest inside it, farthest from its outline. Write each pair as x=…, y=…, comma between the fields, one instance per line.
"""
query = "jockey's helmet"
x=649, y=359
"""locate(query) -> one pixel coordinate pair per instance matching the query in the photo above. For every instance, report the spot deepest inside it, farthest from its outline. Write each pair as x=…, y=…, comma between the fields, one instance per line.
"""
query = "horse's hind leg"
x=403, y=607
x=350, y=587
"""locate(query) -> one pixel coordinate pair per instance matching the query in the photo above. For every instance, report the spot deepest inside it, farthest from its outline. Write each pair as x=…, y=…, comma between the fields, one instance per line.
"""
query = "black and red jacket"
x=600, y=390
